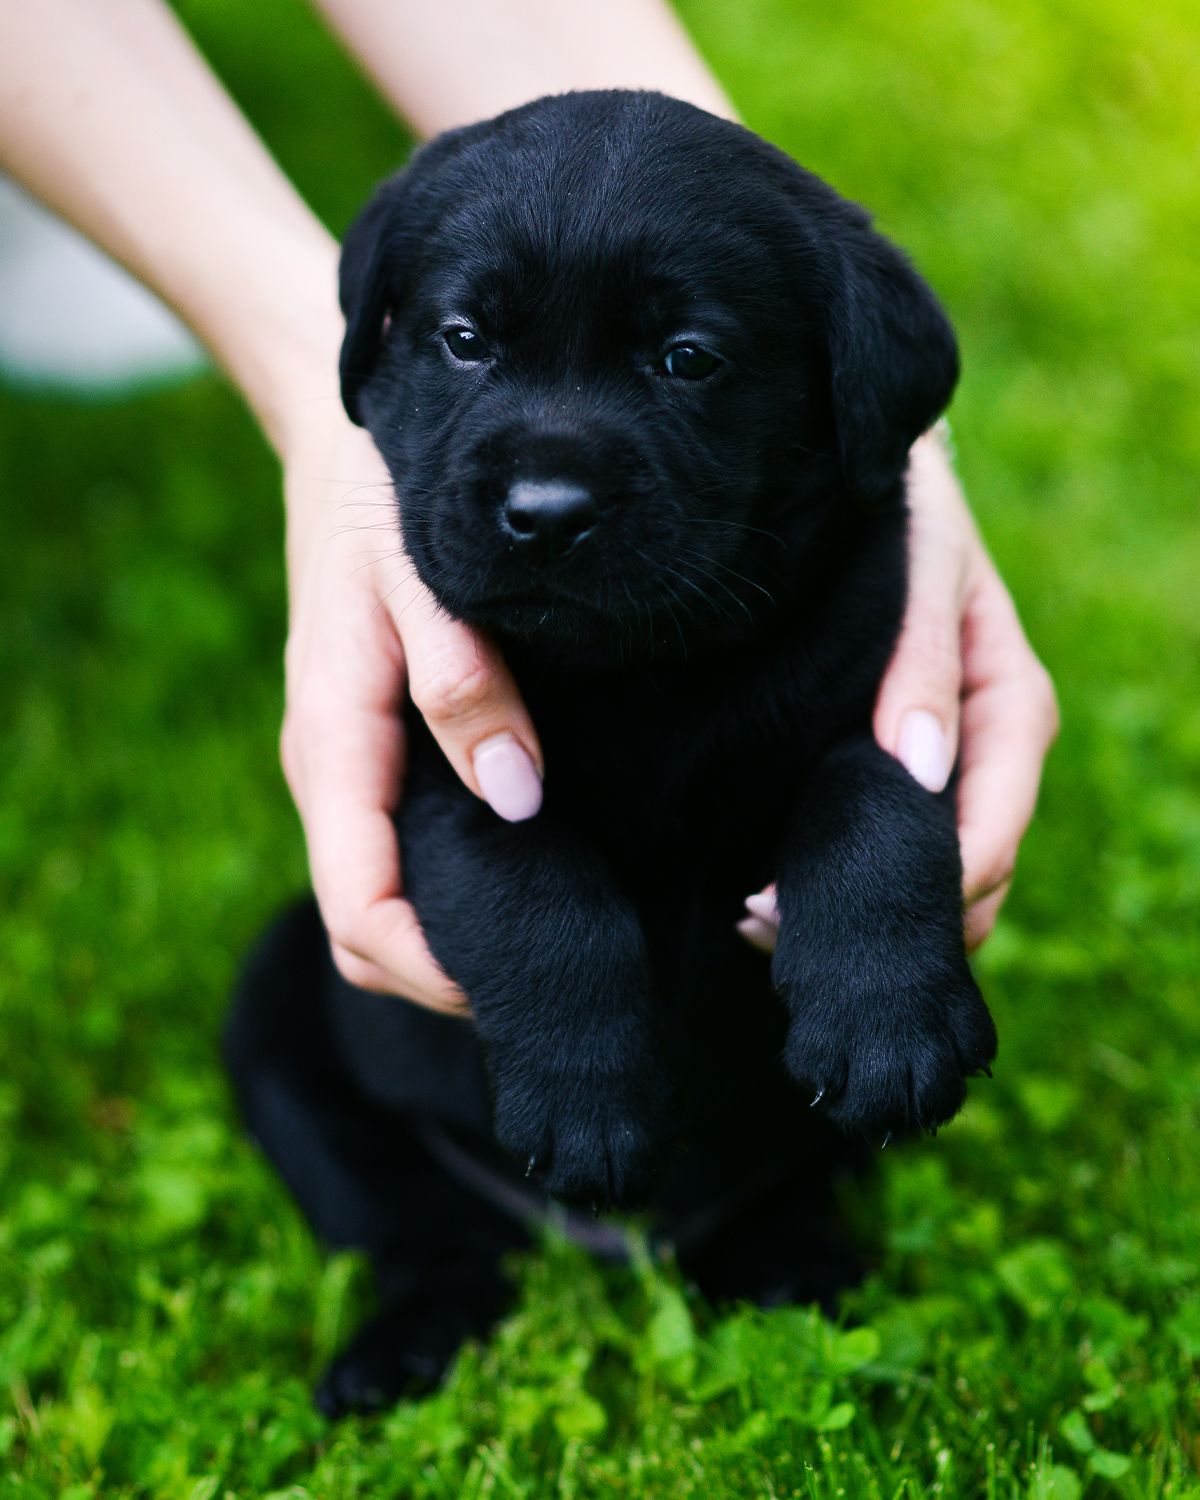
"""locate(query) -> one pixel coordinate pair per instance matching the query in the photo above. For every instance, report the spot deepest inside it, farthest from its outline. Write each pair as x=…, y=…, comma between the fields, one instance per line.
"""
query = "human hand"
x=964, y=682
x=363, y=630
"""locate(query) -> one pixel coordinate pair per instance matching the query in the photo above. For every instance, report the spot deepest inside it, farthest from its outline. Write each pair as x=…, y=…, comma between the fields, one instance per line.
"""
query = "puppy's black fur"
x=646, y=390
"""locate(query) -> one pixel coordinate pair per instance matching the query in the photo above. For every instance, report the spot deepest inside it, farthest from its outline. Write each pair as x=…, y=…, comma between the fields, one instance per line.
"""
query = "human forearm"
x=448, y=62
x=109, y=115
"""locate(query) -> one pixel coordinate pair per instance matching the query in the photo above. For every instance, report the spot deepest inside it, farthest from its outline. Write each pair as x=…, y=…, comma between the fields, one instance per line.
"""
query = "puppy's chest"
x=728, y=735
x=672, y=763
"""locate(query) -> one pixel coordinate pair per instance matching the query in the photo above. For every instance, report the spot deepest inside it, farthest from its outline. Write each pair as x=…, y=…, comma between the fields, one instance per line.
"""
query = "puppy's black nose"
x=548, y=515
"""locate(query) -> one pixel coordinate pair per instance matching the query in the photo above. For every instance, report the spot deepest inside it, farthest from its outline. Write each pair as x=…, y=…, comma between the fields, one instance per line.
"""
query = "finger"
x=917, y=708
x=391, y=926
x=759, y=934
x=458, y=681
x=1007, y=731
x=344, y=766
x=980, y=917
x=374, y=934
x=1005, y=742
x=760, y=927
x=1009, y=721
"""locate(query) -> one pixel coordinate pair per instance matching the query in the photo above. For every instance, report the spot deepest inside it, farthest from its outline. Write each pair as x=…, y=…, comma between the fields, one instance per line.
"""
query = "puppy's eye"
x=466, y=345
x=689, y=362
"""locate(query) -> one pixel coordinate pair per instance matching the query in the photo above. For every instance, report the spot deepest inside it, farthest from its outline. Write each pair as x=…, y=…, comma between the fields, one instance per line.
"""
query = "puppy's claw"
x=886, y=1139
x=530, y=1165
x=820, y=1094
x=985, y=1070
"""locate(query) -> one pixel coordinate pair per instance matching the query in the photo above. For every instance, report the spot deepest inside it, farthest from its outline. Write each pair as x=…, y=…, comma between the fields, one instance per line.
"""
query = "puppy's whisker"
x=432, y=604
x=738, y=526
x=678, y=628
x=366, y=526
x=357, y=487
x=733, y=572
x=714, y=604
x=354, y=530
x=636, y=605
x=721, y=584
x=673, y=598
x=696, y=588
x=374, y=558
x=366, y=505
x=383, y=599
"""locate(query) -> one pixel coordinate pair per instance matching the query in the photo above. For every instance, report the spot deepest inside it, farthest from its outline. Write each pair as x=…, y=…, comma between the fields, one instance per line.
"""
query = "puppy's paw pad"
x=585, y=1145
x=878, y=1060
x=607, y=1168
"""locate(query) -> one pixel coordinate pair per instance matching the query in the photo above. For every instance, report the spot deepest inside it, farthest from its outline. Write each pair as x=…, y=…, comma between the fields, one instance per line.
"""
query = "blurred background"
x=1035, y=1310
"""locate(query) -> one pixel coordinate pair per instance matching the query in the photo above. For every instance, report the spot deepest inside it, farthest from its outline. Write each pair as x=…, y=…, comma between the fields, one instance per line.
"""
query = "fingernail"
x=762, y=905
x=508, y=778
x=758, y=933
x=923, y=750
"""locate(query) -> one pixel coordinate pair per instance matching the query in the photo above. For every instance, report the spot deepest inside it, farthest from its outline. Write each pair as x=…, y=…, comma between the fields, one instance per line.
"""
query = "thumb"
x=917, y=710
x=460, y=684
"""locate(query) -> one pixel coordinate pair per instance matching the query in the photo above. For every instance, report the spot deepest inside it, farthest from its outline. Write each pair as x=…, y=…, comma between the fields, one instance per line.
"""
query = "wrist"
x=331, y=470
x=276, y=328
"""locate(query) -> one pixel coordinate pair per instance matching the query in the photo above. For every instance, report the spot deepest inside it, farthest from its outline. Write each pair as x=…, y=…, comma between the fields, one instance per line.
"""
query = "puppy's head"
x=623, y=359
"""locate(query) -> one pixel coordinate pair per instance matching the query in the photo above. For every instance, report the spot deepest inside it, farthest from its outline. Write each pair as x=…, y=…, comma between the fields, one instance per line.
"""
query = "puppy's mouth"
x=649, y=606
x=533, y=614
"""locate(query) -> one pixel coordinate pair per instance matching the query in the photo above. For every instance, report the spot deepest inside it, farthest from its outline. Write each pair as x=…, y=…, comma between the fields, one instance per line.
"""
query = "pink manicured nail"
x=924, y=750
x=508, y=778
x=762, y=905
x=758, y=933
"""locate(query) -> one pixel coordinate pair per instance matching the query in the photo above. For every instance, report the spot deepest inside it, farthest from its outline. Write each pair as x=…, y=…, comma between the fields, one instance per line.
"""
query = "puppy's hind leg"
x=361, y=1177
x=334, y=1153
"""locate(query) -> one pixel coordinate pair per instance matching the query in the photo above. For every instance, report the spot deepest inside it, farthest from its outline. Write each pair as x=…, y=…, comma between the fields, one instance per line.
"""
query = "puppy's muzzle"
x=546, y=518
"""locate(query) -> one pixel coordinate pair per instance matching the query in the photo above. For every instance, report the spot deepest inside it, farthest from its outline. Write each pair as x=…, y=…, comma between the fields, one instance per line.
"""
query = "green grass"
x=1033, y=1327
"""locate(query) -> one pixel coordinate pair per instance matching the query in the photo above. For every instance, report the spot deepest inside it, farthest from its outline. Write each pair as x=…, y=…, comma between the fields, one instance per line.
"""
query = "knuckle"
x=981, y=915
x=1000, y=876
x=1047, y=698
x=289, y=752
x=934, y=655
x=995, y=874
x=451, y=696
x=978, y=928
x=351, y=966
x=344, y=932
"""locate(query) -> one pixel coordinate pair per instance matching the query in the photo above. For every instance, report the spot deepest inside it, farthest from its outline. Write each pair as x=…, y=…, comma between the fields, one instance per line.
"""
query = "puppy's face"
x=623, y=360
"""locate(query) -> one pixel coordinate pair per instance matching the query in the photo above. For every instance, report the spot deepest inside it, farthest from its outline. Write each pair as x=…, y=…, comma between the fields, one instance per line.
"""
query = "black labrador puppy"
x=646, y=390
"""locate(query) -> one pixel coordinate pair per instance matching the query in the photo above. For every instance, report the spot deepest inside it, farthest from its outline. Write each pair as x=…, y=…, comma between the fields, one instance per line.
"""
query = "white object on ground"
x=72, y=319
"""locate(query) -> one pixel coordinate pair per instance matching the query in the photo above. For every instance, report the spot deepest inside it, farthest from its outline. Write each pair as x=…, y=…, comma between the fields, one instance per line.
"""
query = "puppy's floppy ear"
x=893, y=356
x=365, y=291
x=381, y=247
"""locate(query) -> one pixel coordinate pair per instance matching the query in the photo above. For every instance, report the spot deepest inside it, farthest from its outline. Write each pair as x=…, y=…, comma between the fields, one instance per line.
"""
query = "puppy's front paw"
x=589, y=1139
x=884, y=1036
